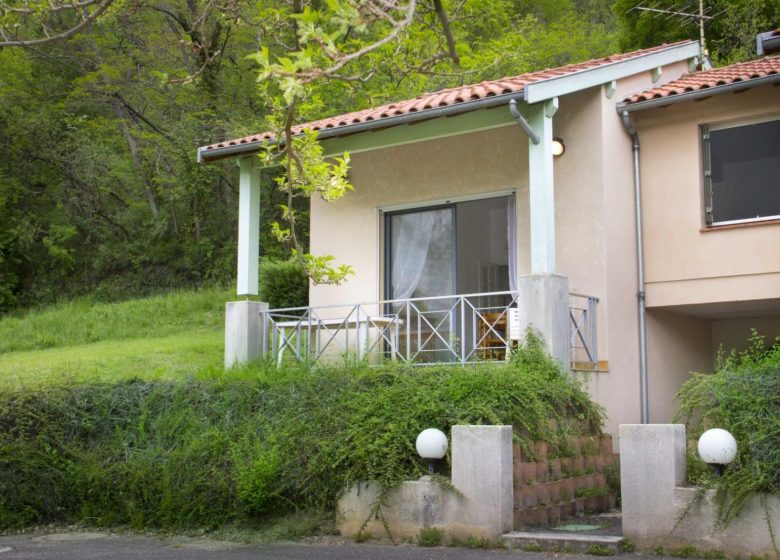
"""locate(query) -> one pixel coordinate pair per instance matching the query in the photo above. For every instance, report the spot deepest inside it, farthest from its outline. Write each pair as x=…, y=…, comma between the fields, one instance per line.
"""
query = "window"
x=742, y=172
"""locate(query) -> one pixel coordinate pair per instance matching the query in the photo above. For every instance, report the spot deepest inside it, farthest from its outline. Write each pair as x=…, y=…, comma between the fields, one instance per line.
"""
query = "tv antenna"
x=687, y=15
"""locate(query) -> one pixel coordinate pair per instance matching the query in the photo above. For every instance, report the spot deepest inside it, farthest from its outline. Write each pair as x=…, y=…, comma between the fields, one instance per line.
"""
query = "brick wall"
x=550, y=486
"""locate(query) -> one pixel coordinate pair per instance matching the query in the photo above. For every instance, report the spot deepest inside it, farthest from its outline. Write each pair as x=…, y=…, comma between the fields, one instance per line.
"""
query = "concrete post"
x=543, y=305
x=244, y=331
x=482, y=471
x=652, y=464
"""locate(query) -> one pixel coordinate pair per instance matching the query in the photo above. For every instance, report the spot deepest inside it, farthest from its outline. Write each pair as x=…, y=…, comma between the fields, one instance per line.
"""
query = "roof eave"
x=629, y=107
x=208, y=155
x=559, y=86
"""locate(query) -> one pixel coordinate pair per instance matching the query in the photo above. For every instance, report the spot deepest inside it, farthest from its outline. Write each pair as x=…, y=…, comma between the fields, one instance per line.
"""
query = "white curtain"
x=511, y=234
x=411, y=238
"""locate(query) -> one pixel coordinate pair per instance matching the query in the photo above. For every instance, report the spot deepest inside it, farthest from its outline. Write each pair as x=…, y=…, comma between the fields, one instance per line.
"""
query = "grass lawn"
x=113, y=360
x=152, y=338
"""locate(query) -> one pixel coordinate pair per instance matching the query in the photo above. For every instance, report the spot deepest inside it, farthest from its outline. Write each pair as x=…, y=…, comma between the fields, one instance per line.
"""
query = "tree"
x=730, y=35
x=99, y=188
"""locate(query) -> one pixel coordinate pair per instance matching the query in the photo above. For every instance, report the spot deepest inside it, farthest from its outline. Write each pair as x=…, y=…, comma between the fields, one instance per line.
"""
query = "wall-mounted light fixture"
x=558, y=147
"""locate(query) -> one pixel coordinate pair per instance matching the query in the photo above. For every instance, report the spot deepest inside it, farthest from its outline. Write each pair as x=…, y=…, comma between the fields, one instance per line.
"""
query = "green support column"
x=541, y=187
x=248, y=227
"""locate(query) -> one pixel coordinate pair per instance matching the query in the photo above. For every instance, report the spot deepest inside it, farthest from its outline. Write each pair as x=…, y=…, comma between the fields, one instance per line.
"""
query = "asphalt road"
x=89, y=546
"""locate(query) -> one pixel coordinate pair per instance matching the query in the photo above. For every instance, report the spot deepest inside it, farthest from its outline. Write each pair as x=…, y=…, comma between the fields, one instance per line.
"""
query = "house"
x=484, y=209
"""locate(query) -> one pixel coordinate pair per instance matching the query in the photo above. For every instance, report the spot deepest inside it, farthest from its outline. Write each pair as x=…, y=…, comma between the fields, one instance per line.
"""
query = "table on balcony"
x=286, y=332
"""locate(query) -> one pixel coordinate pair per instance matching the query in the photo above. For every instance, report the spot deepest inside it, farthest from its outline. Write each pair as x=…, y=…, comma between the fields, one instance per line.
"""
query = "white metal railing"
x=432, y=330
x=584, y=339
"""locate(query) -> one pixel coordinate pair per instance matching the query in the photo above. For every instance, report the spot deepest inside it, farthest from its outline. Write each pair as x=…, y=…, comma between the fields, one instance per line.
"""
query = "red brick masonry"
x=549, y=489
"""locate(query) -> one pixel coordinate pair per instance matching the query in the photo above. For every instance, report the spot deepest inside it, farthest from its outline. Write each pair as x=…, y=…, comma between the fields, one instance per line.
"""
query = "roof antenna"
x=687, y=16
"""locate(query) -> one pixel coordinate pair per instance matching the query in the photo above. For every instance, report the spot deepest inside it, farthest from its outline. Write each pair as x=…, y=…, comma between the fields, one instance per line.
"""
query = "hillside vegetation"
x=161, y=337
x=237, y=447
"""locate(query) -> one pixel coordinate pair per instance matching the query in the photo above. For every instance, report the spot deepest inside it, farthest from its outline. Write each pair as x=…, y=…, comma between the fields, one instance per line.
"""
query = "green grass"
x=83, y=321
x=143, y=358
x=159, y=337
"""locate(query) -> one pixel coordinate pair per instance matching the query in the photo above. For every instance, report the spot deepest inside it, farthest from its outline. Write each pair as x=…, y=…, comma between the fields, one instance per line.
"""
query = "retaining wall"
x=659, y=510
x=548, y=489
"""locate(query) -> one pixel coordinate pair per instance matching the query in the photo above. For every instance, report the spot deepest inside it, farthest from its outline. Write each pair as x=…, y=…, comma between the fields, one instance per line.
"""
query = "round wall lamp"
x=717, y=447
x=431, y=445
x=558, y=147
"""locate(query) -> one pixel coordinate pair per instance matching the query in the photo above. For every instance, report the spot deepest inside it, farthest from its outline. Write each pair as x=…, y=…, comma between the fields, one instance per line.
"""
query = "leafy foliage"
x=283, y=284
x=731, y=35
x=743, y=397
x=99, y=187
x=245, y=444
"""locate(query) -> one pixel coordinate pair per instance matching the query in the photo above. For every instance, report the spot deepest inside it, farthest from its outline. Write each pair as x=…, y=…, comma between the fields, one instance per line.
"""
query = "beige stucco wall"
x=676, y=346
x=705, y=288
x=685, y=263
x=733, y=334
x=434, y=171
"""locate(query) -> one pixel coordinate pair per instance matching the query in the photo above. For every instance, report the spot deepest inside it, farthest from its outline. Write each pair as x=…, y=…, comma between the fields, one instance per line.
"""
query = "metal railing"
x=584, y=335
x=432, y=330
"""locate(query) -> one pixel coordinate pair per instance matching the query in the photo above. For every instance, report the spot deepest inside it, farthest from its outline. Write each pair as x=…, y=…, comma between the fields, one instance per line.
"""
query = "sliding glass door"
x=459, y=248
x=421, y=253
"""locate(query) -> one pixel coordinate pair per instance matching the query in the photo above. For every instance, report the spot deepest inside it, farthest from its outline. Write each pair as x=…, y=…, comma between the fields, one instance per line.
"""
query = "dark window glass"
x=745, y=172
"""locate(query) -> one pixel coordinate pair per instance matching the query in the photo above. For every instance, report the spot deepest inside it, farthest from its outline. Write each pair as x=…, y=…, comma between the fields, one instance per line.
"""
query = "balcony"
x=421, y=331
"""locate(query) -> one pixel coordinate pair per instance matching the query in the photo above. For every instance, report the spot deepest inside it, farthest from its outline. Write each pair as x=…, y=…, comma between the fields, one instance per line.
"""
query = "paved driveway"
x=88, y=546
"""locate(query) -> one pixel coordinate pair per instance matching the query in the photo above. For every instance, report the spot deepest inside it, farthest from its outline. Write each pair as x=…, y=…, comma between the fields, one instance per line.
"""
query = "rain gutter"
x=205, y=156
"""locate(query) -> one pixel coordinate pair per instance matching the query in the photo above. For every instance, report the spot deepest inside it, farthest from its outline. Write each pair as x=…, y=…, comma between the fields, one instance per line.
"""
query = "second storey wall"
x=687, y=263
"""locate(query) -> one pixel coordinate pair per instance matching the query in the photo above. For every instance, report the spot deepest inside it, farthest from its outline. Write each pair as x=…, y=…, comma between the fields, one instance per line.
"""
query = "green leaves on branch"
x=321, y=271
x=309, y=173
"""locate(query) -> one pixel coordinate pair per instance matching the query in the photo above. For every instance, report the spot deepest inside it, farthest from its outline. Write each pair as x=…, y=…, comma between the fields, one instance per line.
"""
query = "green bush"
x=203, y=452
x=743, y=397
x=283, y=284
x=430, y=536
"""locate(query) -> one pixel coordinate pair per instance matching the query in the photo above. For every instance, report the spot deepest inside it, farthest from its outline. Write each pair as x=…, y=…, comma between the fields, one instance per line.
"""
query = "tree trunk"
x=132, y=144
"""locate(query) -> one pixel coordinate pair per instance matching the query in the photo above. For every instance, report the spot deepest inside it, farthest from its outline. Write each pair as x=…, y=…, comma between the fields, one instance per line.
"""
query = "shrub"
x=742, y=396
x=283, y=284
x=203, y=452
x=430, y=536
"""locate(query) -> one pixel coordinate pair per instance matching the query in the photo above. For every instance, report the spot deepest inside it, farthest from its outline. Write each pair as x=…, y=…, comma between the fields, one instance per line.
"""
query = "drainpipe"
x=640, y=265
x=522, y=122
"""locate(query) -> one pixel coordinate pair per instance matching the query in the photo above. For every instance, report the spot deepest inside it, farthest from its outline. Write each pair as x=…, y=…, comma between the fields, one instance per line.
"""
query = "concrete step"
x=555, y=541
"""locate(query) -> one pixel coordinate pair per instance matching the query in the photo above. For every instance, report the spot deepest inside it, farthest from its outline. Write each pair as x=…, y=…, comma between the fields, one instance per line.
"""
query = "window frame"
x=705, y=132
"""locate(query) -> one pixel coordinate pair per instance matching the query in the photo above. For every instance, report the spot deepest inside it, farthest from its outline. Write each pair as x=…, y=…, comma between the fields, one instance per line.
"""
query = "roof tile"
x=695, y=81
x=446, y=97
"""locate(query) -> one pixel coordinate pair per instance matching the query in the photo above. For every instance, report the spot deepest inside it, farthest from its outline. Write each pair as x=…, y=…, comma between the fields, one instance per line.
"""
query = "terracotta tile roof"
x=695, y=81
x=446, y=97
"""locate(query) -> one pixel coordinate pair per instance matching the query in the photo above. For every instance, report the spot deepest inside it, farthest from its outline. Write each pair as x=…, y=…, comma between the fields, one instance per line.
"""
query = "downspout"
x=640, y=265
x=518, y=116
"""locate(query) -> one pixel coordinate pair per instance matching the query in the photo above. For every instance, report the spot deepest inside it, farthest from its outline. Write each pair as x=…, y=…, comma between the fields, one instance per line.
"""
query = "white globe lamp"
x=718, y=448
x=431, y=445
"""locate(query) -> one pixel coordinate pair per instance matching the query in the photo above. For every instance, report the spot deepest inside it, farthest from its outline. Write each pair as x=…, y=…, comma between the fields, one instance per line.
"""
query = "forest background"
x=100, y=190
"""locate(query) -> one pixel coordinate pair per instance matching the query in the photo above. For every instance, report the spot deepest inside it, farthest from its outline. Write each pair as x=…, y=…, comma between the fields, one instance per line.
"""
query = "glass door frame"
x=388, y=233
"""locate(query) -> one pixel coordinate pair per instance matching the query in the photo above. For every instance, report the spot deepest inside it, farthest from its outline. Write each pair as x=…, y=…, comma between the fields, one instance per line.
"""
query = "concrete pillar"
x=543, y=305
x=244, y=331
x=248, y=227
x=541, y=187
x=482, y=472
x=652, y=464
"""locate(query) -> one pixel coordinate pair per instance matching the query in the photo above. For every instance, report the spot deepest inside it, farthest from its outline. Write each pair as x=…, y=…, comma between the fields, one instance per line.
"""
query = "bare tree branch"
x=445, y=27
x=87, y=19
